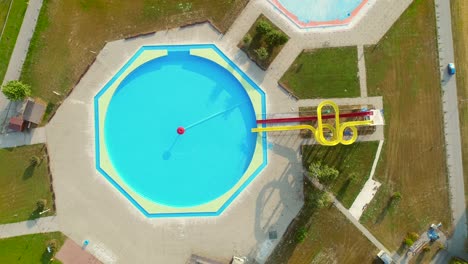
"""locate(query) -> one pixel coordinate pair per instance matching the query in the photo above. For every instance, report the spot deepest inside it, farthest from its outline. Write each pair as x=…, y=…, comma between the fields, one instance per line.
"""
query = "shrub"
x=247, y=40
x=34, y=160
x=276, y=38
x=52, y=246
x=408, y=242
x=16, y=90
x=301, y=234
x=262, y=53
x=396, y=196
x=426, y=248
x=323, y=173
x=413, y=236
x=263, y=27
x=41, y=204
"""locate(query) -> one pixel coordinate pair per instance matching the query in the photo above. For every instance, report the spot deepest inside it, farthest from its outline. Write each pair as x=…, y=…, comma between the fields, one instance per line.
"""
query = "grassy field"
x=29, y=249
x=257, y=41
x=23, y=184
x=460, y=33
x=12, y=28
x=69, y=33
x=403, y=68
x=354, y=162
x=4, y=6
x=324, y=73
x=331, y=238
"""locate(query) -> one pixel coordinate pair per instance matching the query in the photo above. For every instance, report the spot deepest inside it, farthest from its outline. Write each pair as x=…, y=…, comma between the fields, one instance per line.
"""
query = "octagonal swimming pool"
x=176, y=129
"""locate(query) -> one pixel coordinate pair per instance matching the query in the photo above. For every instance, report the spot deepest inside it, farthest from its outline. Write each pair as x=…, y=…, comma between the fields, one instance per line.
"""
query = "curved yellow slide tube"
x=337, y=131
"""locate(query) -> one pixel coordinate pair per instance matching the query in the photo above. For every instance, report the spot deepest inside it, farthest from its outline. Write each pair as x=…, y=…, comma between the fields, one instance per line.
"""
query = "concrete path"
x=20, y=51
x=456, y=244
x=369, y=190
x=40, y=225
x=16, y=139
x=362, y=70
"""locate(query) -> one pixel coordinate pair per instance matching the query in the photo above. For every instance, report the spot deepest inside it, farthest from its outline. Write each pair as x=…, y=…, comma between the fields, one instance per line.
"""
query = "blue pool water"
x=145, y=112
x=320, y=10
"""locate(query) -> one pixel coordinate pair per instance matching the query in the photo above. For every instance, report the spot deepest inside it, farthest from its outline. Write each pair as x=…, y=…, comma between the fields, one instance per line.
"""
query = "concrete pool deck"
x=90, y=208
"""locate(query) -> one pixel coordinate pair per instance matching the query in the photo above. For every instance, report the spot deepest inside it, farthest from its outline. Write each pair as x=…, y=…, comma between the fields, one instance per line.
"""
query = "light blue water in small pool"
x=143, y=116
x=320, y=10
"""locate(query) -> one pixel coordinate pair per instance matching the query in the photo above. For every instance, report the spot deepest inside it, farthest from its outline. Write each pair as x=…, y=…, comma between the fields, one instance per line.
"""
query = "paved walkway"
x=16, y=139
x=362, y=70
x=456, y=244
x=369, y=190
x=19, y=52
x=40, y=225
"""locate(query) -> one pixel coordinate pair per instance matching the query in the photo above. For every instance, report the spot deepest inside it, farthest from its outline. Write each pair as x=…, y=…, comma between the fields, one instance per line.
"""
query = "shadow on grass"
x=384, y=212
x=29, y=171
x=342, y=191
x=402, y=249
x=46, y=257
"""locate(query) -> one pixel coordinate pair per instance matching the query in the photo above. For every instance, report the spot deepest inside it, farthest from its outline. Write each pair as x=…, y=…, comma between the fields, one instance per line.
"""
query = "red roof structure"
x=17, y=123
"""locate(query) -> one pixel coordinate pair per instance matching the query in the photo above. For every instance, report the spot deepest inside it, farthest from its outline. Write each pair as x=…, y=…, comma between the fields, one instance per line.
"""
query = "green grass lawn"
x=403, y=68
x=70, y=33
x=258, y=41
x=23, y=184
x=29, y=249
x=12, y=28
x=324, y=73
x=331, y=238
x=354, y=162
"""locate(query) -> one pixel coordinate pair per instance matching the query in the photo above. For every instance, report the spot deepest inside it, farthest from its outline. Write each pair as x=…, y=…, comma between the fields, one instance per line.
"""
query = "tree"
x=263, y=27
x=323, y=173
x=276, y=38
x=262, y=53
x=247, y=40
x=16, y=90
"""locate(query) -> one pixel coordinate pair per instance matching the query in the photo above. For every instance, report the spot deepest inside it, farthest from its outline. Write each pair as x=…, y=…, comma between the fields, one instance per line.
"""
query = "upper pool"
x=316, y=13
x=177, y=87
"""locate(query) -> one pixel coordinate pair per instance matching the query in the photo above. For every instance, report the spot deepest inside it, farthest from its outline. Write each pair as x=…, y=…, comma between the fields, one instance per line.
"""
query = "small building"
x=31, y=114
x=17, y=124
x=34, y=111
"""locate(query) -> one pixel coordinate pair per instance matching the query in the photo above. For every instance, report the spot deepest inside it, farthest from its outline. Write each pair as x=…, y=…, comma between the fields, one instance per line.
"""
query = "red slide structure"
x=310, y=118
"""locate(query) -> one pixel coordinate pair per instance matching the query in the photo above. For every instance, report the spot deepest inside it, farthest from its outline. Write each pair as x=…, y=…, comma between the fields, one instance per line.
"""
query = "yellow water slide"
x=337, y=132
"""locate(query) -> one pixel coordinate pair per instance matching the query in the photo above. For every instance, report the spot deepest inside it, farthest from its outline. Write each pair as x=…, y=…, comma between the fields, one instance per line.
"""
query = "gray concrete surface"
x=40, y=225
x=456, y=244
x=29, y=137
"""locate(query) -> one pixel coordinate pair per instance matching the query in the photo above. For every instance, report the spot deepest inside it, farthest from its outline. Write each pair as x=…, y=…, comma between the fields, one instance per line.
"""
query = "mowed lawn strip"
x=70, y=34
x=23, y=184
x=354, y=162
x=460, y=33
x=12, y=28
x=403, y=68
x=324, y=73
x=4, y=6
x=30, y=248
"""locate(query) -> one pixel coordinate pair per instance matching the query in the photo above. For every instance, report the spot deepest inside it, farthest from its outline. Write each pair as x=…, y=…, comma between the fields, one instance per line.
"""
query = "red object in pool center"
x=180, y=130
